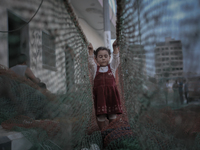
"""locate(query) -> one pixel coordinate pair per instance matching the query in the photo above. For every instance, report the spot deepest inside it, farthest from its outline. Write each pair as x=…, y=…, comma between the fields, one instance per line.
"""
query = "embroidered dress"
x=105, y=92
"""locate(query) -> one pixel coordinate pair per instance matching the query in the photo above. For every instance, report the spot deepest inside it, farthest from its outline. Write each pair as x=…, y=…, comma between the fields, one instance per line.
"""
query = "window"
x=167, y=69
x=172, y=58
x=176, y=53
x=172, y=53
x=158, y=65
x=48, y=52
x=158, y=70
x=157, y=49
x=171, y=47
x=18, y=41
x=166, y=48
x=173, y=63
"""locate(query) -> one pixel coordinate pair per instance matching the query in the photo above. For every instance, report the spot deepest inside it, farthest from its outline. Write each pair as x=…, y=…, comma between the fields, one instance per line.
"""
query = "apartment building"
x=150, y=67
x=138, y=58
x=168, y=59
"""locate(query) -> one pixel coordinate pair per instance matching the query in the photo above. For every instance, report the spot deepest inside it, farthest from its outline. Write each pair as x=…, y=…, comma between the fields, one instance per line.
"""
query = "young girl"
x=106, y=96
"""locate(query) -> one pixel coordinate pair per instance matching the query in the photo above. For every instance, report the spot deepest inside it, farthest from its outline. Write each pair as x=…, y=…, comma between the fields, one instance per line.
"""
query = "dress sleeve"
x=115, y=63
x=92, y=65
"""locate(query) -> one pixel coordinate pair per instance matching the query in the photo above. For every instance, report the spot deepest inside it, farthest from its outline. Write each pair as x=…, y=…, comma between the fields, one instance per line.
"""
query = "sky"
x=181, y=21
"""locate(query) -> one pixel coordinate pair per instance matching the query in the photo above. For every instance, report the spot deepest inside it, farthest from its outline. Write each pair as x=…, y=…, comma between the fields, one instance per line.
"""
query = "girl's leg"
x=112, y=117
x=101, y=121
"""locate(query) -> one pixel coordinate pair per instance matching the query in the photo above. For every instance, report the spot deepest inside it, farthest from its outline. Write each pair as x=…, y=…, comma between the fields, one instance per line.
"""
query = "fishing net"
x=56, y=117
x=62, y=115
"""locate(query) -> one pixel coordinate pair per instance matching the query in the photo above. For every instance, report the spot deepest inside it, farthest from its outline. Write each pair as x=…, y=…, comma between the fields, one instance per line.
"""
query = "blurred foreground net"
x=66, y=119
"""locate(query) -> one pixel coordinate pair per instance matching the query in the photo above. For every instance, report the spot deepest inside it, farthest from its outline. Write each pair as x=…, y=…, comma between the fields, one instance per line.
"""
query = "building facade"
x=49, y=40
x=150, y=67
x=52, y=39
x=169, y=59
x=139, y=58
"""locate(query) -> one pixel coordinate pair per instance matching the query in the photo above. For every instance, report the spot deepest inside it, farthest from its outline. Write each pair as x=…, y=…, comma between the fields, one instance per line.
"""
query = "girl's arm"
x=92, y=64
x=90, y=49
x=115, y=48
x=115, y=61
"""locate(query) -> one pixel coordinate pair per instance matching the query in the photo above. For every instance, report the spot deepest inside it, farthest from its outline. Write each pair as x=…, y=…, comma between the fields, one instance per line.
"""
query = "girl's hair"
x=100, y=49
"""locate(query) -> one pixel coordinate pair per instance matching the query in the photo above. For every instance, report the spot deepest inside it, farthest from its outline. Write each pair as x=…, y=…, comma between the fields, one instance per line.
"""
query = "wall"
x=90, y=33
x=54, y=19
x=3, y=36
x=50, y=19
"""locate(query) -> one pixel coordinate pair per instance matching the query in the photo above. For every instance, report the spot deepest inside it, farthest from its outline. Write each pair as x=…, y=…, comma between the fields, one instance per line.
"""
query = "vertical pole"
x=107, y=33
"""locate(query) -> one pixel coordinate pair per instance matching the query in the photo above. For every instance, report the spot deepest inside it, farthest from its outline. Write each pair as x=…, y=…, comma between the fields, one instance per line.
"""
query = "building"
x=150, y=67
x=50, y=37
x=139, y=58
x=134, y=60
x=168, y=59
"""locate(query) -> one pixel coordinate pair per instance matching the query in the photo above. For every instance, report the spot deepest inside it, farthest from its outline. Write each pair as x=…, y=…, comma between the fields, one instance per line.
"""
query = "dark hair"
x=22, y=58
x=101, y=49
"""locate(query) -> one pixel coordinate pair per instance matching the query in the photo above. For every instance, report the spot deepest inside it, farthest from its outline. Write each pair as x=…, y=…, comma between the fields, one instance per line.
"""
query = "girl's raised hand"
x=115, y=47
x=90, y=48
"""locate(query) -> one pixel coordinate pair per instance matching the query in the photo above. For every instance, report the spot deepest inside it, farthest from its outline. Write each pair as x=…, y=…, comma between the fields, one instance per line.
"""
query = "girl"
x=106, y=96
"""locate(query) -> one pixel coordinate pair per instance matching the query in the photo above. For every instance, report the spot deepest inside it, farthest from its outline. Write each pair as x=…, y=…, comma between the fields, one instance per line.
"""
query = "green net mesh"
x=62, y=116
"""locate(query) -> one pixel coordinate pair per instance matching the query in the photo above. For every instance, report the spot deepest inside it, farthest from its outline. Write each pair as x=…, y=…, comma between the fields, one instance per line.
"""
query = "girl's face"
x=103, y=58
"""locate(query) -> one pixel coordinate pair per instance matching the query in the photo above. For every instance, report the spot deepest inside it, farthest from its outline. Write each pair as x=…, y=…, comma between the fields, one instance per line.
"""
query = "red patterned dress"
x=105, y=92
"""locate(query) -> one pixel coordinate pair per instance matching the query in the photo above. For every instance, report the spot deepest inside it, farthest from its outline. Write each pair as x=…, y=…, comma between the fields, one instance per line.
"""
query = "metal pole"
x=107, y=33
